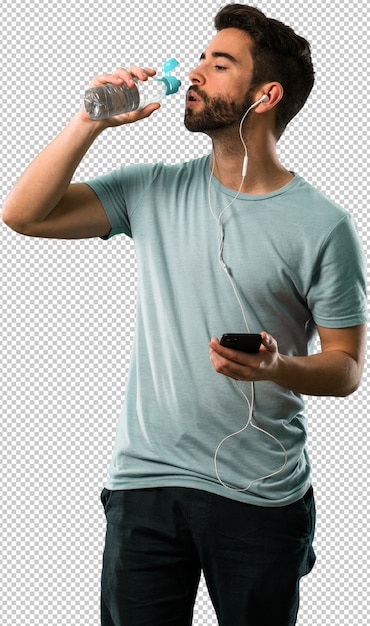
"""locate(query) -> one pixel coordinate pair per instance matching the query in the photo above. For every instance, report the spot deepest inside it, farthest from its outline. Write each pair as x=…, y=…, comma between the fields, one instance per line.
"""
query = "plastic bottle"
x=108, y=100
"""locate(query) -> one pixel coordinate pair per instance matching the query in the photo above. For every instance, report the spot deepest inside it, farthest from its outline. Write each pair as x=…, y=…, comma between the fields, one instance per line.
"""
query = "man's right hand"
x=119, y=77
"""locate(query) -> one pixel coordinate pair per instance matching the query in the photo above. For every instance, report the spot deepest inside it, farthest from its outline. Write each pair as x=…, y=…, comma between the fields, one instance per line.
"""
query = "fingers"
x=122, y=75
x=133, y=116
x=242, y=365
x=232, y=363
x=268, y=342
x=119, y=77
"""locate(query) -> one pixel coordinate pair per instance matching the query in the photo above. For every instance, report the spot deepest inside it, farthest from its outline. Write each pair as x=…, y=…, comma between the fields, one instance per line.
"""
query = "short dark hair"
x=278, y=55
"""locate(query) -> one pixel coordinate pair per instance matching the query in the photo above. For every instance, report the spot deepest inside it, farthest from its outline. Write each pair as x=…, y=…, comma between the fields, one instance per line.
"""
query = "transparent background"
x=67, y=307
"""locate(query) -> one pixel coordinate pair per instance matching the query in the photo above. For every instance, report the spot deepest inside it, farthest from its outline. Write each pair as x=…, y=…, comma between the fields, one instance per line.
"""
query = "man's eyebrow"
x=216, y=55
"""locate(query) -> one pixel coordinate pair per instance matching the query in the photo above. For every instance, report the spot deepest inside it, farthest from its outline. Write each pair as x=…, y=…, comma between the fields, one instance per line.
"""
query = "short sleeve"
x=120, y=192
x=338, y=295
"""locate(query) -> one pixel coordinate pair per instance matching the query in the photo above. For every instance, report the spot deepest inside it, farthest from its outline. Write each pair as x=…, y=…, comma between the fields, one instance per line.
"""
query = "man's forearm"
x=336, y=371
x=332, y=373
x=46, y=179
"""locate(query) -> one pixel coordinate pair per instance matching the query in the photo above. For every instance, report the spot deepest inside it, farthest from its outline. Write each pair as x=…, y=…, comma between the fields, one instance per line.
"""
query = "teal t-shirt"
x=296, y=260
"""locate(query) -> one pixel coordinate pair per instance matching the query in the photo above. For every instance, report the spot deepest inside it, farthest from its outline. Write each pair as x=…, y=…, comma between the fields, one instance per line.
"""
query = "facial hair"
x=217, y=113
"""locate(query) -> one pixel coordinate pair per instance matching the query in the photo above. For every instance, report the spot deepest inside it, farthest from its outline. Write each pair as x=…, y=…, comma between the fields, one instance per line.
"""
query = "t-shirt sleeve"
x=120, y=192
x=338, y=295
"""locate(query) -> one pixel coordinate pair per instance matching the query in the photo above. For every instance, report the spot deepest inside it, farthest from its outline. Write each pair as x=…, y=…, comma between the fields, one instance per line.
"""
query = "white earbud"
x=263, y=99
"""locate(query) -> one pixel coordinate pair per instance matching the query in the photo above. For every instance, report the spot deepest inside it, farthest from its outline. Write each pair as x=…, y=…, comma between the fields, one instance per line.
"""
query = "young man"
x=208, y=473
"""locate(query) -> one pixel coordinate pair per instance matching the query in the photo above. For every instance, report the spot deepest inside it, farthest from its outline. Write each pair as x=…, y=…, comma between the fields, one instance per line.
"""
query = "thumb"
x=269, y=342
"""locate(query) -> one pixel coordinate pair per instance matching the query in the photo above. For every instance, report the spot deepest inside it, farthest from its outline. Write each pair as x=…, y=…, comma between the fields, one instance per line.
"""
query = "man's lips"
x=192, y=98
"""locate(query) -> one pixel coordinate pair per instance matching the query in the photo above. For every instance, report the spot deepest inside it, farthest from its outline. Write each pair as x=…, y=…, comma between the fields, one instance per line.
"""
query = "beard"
x=218, y=113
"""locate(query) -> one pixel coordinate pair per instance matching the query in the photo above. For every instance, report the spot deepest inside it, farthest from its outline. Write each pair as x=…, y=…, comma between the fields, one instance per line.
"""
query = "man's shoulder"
x=161, y=172
x=194, y=167
x=310, y=207
x=314, y=199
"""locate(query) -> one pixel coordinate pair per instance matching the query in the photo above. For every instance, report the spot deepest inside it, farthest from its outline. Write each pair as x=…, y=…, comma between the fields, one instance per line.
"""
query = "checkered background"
x=67, y=307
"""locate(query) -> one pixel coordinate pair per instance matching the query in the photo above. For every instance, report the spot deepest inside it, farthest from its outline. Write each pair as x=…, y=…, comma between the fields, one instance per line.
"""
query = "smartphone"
x=242, y=341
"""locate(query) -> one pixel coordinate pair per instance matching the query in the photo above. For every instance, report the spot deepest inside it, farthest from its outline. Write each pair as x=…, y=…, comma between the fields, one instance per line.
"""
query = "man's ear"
x=274, y=92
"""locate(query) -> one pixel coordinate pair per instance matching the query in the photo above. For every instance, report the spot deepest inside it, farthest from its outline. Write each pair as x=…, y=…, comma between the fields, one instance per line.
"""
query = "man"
x=209, y=474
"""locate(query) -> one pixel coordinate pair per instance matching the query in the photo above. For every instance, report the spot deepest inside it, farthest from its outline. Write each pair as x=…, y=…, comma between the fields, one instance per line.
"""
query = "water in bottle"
x=108, y=100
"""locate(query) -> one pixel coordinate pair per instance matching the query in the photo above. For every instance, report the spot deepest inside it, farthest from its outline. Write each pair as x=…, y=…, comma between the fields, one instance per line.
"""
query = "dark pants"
x=159, y=540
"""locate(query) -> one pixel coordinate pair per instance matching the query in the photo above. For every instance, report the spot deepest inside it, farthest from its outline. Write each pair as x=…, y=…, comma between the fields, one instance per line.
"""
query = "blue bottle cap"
x=170, y=65
x=171, y=82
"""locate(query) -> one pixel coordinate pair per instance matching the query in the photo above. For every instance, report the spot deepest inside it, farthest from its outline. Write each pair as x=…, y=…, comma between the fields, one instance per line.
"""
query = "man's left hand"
x=242, y=365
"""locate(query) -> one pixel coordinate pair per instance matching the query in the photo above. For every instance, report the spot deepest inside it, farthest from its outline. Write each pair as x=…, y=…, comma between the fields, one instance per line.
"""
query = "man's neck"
x=264, y=172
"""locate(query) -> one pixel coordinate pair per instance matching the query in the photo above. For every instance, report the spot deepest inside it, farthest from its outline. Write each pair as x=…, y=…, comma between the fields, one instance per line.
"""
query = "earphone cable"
x=250, y=402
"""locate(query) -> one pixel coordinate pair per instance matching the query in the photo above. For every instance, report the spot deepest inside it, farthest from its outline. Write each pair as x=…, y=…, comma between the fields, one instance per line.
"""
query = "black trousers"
x=159, y=540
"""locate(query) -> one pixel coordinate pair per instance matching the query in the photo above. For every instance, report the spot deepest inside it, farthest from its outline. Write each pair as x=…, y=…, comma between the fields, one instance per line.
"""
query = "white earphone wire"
x=250, y=402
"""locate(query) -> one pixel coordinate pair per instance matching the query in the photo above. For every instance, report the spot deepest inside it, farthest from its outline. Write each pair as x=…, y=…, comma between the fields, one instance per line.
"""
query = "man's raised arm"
x=44, y=202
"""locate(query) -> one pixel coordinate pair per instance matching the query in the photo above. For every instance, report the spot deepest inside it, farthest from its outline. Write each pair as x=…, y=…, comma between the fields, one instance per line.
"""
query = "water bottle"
x=108, y=100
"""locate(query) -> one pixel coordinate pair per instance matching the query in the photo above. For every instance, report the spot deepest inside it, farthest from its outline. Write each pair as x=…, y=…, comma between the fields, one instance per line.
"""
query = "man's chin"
x=190, y=123
x=195, y=124
x=192, y=128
